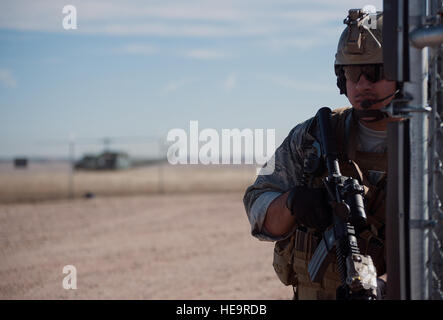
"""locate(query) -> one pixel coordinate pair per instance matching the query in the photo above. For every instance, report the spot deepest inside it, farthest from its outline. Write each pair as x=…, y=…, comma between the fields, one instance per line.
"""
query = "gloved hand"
x=310, y=207
x=381, y=289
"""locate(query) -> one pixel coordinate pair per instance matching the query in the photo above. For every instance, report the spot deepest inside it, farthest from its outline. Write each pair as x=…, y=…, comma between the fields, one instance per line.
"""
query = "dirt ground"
x=54, y=180
x=170, y=246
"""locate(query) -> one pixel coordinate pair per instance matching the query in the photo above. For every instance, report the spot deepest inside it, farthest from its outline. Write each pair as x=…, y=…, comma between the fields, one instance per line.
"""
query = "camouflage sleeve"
x=288, y=172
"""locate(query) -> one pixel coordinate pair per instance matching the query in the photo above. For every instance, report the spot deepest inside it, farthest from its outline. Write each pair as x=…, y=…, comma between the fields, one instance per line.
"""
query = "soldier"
x=290, y=205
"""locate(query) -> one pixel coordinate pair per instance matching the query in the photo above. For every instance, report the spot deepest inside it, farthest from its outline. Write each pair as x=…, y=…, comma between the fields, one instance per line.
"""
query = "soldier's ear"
x=341, y=80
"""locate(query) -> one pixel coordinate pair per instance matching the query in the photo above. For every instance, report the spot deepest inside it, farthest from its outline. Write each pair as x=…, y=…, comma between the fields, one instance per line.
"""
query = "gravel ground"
x=170, y=246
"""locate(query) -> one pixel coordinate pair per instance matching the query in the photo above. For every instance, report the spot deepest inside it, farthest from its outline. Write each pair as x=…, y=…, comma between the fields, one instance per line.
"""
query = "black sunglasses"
x=372, y=72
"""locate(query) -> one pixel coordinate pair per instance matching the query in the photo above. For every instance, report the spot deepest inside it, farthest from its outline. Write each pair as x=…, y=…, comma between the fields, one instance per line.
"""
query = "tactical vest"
x=292, y=255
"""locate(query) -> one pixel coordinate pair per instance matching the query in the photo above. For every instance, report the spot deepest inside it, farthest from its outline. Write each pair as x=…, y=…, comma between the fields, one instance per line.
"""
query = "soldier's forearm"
x=278, y=220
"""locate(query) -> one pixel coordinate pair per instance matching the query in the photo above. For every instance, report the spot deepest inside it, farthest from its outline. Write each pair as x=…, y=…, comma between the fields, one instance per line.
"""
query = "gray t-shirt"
x=371, y=140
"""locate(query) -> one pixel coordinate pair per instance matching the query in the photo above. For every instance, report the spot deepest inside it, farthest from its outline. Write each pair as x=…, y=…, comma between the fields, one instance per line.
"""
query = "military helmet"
x=360, y=43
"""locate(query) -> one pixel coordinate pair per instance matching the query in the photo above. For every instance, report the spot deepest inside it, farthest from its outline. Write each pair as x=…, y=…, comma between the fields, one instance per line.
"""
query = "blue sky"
x=141, y=68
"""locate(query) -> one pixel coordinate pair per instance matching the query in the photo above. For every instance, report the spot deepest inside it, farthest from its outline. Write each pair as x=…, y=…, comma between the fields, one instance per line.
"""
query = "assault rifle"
x=357, y=272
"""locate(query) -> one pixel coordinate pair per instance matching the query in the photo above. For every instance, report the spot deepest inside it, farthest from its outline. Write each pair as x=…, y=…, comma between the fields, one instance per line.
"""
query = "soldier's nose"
x=363, y=83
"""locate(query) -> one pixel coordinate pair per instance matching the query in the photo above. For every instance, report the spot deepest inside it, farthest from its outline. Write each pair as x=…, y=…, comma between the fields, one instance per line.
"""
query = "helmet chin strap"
x=376, y=114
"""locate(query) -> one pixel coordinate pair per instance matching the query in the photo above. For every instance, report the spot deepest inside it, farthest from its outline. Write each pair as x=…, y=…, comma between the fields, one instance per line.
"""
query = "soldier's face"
x=364, y=89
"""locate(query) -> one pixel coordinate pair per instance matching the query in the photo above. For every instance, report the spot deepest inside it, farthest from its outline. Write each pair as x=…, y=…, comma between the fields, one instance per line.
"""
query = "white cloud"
x=7, y=79
x=205, y=54
x=230, y=82
x=175, y=85
x=179, y=29
x=286, y=82
x=302, y=41
x=193, y=18
x=137, y=48
x=173, y=10
x=310, y=17
x=293, y=42
x=170, y=87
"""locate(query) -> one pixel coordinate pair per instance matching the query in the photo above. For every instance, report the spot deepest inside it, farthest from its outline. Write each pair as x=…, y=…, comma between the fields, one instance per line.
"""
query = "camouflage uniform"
x=294, y=250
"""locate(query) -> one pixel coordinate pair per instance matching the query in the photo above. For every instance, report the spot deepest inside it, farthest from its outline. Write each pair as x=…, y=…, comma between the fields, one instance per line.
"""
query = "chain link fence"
x=436, y=174
x=86, y=168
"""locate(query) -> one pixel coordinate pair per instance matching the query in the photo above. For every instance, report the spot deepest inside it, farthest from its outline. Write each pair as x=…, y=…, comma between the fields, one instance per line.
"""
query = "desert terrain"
x=189, y=240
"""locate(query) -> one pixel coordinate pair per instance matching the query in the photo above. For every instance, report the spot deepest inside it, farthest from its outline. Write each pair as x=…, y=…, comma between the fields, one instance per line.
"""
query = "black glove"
x=310, y=207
